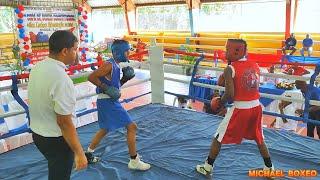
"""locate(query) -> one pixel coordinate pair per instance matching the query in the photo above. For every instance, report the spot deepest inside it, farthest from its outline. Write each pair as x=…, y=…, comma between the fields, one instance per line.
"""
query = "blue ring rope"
x=27, y=129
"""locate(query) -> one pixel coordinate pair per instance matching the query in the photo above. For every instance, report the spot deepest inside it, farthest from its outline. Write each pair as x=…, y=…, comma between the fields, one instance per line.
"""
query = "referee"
x=52, y=101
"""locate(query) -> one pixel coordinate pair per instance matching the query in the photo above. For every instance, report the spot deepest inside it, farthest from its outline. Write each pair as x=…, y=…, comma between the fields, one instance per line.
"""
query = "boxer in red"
x=243, y=119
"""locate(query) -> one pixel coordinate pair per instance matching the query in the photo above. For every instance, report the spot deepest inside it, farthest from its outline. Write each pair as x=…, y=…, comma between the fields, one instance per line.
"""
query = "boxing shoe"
x=137, y=164
x=91, y=158
x=205, y=169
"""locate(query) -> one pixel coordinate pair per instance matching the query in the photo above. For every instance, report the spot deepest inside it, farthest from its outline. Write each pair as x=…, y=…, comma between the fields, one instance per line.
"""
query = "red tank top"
x=246, y=80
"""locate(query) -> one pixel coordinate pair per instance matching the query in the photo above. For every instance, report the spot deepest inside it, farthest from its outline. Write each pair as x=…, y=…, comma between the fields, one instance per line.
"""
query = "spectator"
x=273, y=106
x=290, y=44
x=287, y=108
x=267, y=79
x=183, y=103
x=296, y=70
x=314, y=111
x=307, y=45
x=99, y=59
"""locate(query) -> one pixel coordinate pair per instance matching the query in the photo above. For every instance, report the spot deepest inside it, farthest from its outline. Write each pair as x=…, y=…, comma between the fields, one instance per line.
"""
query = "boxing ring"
x=172, y=140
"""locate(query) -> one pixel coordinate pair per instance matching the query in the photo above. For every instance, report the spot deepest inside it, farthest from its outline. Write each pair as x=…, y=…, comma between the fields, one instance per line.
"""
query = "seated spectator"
x=269, y=80
x=314, y=111
x=287, y=108
x=296, y=70
x=182, y=102
x=290, y=44
x=307, y=45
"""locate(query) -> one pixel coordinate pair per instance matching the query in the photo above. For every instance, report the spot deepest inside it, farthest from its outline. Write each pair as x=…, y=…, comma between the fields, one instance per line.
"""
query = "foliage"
x=80, y=80
x=106, y=51
x=117, y=11
x=118, y=17
x=102, y=48
x=17, y=66
x=189, y=59
x=169, y=17
x=215, y=8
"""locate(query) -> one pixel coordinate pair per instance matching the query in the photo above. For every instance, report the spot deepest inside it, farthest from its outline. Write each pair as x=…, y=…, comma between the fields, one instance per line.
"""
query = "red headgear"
x=235, y=49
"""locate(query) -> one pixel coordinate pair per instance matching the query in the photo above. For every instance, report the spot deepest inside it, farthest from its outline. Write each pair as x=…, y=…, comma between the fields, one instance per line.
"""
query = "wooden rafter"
x=83, y=3
x=288, y=18
x=127, y=5
x=193, y=4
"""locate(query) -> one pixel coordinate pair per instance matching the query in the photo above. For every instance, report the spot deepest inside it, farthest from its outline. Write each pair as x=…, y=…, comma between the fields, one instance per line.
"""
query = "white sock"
x=90, y=150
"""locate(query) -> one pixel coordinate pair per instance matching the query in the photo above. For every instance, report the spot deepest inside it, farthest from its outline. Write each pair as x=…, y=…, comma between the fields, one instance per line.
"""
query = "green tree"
x=216, y=8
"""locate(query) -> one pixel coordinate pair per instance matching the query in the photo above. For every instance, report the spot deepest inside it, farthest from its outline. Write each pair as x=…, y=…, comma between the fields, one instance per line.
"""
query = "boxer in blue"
x=111, y=115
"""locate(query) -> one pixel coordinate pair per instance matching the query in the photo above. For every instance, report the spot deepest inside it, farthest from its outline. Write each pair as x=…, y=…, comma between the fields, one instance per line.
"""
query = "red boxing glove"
x=216, y=104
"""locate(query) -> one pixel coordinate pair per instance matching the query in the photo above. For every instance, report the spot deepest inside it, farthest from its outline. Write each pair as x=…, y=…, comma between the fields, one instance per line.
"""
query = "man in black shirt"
x=290, y=44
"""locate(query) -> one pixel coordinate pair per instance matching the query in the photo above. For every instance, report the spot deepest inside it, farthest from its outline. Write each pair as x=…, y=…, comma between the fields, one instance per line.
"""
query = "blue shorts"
x=111, y=115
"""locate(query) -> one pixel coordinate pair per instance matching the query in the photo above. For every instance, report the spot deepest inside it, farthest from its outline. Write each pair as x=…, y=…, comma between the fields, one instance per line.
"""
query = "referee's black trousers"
x=310, y=126
x=59, y=155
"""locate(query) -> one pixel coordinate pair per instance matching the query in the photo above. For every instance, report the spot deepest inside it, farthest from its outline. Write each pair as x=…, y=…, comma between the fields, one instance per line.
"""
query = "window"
x=6, y=20
x=163, y=18
x=308, y=14
x=107, y=23
x=246, y=16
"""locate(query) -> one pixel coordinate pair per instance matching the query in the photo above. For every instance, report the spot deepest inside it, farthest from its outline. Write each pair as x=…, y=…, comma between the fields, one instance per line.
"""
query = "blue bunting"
x=26, y=62
x=20, y=21
x=21, y=35
x=17, y=11
x=21, y=31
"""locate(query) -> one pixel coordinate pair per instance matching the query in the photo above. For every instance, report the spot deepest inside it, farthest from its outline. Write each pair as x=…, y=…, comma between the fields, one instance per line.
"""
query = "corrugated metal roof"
x=52, y=3
x=141, y=2
x=112, y=3
x=103, y=3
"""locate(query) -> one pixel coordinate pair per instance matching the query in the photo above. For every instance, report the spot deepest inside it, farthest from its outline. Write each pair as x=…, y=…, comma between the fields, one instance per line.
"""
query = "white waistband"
x=102, y=96
x=246, y=104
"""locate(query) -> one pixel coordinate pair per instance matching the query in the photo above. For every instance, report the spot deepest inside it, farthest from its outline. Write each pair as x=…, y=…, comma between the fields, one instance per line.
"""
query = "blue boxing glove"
x=128, y=73
x=112, y=92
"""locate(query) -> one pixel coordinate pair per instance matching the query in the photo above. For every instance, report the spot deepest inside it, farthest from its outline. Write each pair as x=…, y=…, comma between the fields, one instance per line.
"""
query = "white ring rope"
x=271, y=96
x=14, y=113
x=10, y=114
x=264, y=74
x=135, y=64
x=8, y=88
x=274, y=75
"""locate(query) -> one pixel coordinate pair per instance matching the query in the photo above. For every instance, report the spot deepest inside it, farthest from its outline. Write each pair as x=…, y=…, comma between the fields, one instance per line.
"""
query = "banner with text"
x=41, y=22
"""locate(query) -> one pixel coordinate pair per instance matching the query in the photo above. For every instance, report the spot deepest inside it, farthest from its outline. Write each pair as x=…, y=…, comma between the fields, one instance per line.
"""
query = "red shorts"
x=239, y=124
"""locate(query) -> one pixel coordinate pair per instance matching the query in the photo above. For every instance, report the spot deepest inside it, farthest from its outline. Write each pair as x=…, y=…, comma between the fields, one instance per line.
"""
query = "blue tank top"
x=115, y=76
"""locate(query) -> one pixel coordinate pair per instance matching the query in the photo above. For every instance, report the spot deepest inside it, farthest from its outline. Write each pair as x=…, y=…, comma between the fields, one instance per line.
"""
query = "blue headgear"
x=118, y=49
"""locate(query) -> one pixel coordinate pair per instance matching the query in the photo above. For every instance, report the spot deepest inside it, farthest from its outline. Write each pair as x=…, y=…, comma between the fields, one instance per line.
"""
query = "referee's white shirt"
x=50, y=91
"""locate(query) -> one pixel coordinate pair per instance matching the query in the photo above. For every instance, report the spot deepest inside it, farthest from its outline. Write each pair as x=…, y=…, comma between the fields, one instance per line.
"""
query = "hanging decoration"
x=23, y=36
x=83, y=30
